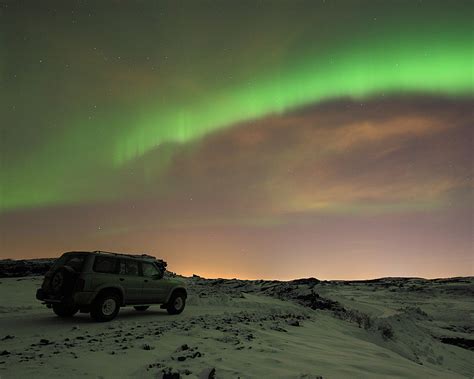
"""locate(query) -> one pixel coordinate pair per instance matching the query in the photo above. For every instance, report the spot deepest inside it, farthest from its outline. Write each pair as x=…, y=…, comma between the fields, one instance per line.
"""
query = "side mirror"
x=157, y=276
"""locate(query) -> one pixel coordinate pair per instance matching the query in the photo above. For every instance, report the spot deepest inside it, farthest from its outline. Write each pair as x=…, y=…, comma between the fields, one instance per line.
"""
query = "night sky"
x=250, y=139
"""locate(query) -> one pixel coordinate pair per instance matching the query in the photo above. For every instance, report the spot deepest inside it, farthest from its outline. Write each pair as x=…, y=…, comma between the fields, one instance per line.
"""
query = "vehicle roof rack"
x=126, y=254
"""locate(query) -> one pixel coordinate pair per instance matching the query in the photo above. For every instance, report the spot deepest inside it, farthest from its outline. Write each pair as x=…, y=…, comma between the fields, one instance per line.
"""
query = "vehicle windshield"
x=74, y=260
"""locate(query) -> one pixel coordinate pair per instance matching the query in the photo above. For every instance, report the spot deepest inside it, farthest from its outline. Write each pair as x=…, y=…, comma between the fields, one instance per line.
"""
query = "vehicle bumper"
x=79, y=298
x=40, y=295
x=47, y=298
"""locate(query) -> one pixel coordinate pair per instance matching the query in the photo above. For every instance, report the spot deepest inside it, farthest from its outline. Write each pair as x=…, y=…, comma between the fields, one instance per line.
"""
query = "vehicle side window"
x=128, y=267
x=106, y=265
x=76, y=263
x=149, y=269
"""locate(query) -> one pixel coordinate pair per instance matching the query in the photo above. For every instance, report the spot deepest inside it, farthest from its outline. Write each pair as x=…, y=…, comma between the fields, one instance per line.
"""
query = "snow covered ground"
x=388, y=328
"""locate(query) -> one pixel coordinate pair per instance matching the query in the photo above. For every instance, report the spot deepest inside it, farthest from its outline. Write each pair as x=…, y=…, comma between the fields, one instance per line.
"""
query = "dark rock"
x=4, y=353
x=171, y=375
x=183, y=347
x=208, y=373
x=293, y=322
x=181, y=358
x=8, y=337
x=314, y=301
x=386, y=330
x=463, y=343
x=44, y=341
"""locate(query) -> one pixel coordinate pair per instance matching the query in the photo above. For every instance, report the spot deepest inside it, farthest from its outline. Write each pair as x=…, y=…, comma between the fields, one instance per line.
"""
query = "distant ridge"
x=12, y=268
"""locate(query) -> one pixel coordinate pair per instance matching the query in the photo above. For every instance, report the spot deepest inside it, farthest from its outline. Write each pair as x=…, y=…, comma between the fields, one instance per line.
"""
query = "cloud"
x=392, y=155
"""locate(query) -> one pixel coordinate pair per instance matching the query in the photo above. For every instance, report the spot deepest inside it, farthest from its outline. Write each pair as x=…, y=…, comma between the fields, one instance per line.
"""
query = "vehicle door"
x=130, y=280
x=105, y=272
x=155, y=289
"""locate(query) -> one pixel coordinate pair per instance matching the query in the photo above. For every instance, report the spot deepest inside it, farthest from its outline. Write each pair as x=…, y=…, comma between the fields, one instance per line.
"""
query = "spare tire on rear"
x=63, y=281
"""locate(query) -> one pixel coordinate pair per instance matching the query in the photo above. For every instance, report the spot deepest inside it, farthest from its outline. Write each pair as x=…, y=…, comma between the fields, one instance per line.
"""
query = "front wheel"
x=176, y=304
x=105, y=307
x=65, y=310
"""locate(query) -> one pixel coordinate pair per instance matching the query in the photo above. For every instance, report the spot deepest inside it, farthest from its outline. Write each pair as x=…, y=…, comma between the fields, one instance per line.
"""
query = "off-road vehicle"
x=100, y=283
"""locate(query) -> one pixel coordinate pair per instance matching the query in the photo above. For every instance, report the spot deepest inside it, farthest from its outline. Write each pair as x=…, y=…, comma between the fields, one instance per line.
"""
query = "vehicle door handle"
x=121, y=279
x=146, y=280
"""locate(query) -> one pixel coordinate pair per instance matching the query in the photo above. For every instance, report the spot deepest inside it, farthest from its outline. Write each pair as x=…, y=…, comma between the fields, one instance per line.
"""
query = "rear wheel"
x=65, y=310
x=141, y=308
x=176, y=304
x=63, y=280
x=105, y=307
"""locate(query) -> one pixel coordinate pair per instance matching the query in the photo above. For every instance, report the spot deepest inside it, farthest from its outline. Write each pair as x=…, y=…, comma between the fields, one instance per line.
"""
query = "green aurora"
x=424, y=66
x=389, y=50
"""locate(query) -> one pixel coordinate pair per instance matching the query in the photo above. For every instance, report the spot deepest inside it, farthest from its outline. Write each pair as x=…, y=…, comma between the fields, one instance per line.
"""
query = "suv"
x=100, y=283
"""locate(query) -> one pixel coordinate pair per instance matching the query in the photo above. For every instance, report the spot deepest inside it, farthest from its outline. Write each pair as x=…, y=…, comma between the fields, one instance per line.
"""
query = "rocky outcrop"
x=10, y=268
